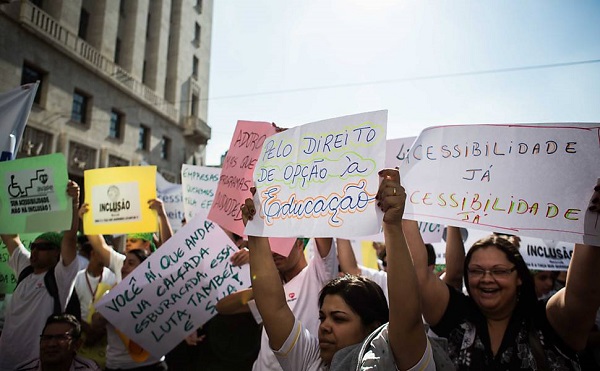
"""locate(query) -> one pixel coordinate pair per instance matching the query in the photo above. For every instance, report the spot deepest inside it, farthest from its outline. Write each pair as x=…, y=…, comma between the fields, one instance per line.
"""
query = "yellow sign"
x=118, y=200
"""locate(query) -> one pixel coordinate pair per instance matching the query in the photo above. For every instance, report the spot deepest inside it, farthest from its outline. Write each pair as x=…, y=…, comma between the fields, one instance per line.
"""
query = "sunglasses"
x=43, y=246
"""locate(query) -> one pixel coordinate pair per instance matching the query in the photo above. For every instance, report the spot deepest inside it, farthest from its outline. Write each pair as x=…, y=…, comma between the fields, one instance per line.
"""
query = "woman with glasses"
x=501, y=324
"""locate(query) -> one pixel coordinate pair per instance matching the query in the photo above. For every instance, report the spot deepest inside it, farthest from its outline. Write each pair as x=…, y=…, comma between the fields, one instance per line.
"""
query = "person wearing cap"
x=31, y=302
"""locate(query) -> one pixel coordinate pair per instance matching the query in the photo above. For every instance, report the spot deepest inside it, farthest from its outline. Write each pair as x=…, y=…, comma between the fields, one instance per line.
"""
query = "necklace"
x=89, y=285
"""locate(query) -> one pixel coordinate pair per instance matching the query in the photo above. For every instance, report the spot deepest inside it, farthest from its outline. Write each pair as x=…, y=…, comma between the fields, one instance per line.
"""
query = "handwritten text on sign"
x=320, y=179
x=530, y=180
x=199, y=187
x=176, y=289
x=236, y=175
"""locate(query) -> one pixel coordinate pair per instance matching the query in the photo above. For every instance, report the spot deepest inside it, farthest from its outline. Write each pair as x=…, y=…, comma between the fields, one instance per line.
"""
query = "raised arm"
x=434, y=292
x=455, y=258
x=324, y=245
x=68, y=248
x=406, y=331
x=269, y=295
x=572, y=310
x=12, y=241
x=346, y=257
x=97, y=241
x=164, y=226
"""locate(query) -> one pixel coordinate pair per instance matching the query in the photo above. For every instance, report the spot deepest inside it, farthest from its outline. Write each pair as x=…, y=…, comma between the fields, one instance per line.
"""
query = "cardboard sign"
x=199, y=185
x=175, y=290
x=321, y=179
x=118, y=199
x=33, y=197
x=236, y=174
x=528, y=180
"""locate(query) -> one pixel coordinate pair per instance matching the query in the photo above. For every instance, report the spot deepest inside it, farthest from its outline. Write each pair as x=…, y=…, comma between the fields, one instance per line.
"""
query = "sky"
x=427, y=62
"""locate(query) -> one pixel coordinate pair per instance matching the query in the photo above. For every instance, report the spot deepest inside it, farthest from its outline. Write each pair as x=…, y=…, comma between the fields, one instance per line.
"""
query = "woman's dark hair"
x=526, y=291
x=68, y=319
x=139, y=253
x=364, y=296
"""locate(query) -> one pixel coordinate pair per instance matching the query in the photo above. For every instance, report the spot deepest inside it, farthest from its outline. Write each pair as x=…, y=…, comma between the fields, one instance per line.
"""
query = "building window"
x=148, y=27
x=144, y=138
x=37, y=3
x=194, y=105
x=165, y=148
x=144, y=67
x=197, y=31
x=116, y=124
x=117, y=50
x=79, y=112
x=195, y=64
x=31, y=74
x=198, y=6
x=84, y=20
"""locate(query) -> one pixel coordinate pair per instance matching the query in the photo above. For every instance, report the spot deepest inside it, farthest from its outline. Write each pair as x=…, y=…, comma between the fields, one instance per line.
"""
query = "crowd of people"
x=486, y=310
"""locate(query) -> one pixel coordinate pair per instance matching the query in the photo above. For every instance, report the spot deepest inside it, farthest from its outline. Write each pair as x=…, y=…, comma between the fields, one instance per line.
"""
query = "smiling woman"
x=501, y=324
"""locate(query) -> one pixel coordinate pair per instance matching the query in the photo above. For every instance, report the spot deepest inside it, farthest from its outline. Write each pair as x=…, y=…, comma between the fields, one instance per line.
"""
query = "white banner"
x=321, y=179
x=176, y=289
x=15, y=106
x=528, y=180
x=199, y=186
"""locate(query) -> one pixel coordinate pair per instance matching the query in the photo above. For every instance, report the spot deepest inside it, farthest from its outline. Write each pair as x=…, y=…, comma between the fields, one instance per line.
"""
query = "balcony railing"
x=196, y=129
x=37, y=19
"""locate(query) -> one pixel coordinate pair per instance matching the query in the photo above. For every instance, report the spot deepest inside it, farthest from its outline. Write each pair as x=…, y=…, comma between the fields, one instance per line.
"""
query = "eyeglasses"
x=42, y=246
x=494, y=272
x=60, y=338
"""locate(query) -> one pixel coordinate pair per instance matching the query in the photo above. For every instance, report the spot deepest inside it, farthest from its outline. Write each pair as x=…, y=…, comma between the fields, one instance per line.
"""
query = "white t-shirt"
x=30, y=306
x=116, y=263
x=377, y=276
x=302, y=294
x=117, y=355
x=86, y=288
x=300, y=351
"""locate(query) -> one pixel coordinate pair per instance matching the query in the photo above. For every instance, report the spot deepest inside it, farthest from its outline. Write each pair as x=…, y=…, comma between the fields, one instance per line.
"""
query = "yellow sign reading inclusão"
x=118, y=200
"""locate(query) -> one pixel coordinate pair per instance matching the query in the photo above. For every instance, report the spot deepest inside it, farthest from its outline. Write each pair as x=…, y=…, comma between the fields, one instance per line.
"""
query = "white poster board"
x=176, y=289
x=199, y=184
x=321, y=179
x=530, y=180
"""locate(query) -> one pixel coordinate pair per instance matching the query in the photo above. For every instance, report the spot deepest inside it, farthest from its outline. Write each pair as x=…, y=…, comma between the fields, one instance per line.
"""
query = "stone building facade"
x=123, y=82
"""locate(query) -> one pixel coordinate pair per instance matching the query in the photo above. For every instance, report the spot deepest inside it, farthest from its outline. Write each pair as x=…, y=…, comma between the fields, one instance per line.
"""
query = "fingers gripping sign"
x=391, y=196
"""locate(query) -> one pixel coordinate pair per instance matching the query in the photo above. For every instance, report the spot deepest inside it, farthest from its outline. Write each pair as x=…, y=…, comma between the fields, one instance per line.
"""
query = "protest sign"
x=172, y=198
x=118, y=199
x=396, y=151
x=531, y=180
x=199, y=185
x=175, y=290
x=236, y=174
x=33, y=197
x=539, y=254
x=321, y=179
x=546, y=255
x=8, y=278
x=15, y=106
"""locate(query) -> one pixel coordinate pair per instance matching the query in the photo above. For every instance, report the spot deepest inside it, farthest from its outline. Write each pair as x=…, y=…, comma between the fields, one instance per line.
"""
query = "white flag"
x=15, y=106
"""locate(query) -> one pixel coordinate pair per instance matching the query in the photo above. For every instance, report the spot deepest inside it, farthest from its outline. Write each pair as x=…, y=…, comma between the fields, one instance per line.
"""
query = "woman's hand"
x=391, y=196
x=157, y=205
